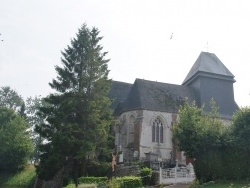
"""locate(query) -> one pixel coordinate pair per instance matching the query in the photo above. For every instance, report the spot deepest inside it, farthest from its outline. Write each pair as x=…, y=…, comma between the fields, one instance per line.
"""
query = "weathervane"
x=207, y=47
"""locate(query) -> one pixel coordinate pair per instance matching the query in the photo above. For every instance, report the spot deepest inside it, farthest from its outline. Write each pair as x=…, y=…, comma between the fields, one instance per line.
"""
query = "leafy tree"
x=197, y=131
x=221, y=152
x=78, y=116
x=9, y=98
x=241, y=129
x=16, y=145
x=204, y=137
x=240, y=135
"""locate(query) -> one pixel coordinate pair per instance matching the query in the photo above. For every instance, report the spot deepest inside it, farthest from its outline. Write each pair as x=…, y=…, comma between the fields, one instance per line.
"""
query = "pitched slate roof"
x=118, y=93
x=157, y=96
x=208, y=64
x=164, y=97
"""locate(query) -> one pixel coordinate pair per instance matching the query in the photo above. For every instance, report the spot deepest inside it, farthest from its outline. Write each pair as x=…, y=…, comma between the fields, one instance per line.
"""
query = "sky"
x=156, y=40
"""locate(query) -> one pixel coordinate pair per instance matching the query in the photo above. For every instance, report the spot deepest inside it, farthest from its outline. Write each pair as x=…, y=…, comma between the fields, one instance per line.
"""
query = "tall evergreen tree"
x=78, y=116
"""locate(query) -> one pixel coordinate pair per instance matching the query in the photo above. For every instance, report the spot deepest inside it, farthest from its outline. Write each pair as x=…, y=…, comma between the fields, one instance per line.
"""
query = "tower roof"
x=208, y=64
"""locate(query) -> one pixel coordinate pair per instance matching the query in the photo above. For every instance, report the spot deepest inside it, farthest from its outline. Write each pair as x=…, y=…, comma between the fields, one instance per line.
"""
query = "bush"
x=87, y=186
x=122, y=182
x=114, y=184
x=90, y=180
x=146, y=174
x=98, y=168
x=129, y=182
x=70, y=186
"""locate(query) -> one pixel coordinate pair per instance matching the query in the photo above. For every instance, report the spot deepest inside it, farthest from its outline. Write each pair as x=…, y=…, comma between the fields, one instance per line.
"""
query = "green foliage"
x=121, y=182
x=113, y=184
x=129, y=182
x=240, y=134
x=16, y=146
x=24, y=178
x=222, y=184
x=197, y=133
x=146, y=174
x=96, y=168
x=78, y=115
x=87, y=186
x=241, y=129
x=221, y=152
x=71, y=186
x=33, y=119
x=204, y=137
x=9, y=98
x=89, y=180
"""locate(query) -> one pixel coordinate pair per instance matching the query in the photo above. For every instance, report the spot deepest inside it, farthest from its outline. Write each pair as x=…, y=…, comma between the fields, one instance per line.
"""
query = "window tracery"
x=157, y=131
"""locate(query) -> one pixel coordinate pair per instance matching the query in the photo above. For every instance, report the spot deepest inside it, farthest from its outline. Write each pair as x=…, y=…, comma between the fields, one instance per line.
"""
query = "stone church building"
x=145, y=111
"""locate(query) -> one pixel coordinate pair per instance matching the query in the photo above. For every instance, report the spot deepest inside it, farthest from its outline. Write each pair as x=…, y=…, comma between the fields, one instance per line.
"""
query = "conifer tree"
x=78, y=116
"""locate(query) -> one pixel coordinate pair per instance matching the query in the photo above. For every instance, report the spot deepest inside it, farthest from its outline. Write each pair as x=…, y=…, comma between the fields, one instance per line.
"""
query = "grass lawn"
x=21, y=179
x=227, y=185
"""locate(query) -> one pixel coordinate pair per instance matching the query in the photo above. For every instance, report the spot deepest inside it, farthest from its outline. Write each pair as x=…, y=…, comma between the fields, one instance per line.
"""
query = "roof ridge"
x=161, y=82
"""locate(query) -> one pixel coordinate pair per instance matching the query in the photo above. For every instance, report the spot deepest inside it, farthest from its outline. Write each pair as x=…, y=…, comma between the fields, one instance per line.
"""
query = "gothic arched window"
x=131, y=124
x=131, y=129
x=157, y=131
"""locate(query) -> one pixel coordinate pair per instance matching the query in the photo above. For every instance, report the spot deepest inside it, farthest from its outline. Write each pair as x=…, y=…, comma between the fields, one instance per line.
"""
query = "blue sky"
x=136, y=35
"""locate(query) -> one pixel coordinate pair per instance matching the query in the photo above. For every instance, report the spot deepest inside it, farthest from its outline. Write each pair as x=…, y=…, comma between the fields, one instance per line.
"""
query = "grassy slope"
x=24, y=178
x=228, y=185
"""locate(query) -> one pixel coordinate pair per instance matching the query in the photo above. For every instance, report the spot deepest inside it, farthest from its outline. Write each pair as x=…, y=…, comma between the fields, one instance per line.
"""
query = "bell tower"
x=210, y=78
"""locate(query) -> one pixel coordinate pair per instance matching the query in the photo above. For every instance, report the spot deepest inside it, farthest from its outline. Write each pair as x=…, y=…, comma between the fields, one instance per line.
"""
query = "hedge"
x=121, y=182
x=129, y=182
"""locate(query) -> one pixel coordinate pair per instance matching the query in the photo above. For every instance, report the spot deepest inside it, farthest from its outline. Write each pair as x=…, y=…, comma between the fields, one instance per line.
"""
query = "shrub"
x=129, y=182
x=122, y=182
x=114, y=184
x=87, y=186
x=98, y=168
x=146, y=174
x=89, y=180
x=70, y=186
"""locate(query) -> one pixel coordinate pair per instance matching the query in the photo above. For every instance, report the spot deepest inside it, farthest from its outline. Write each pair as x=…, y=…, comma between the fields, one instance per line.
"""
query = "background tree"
x=33, y=119
x=241, y=129
x=78, y=116
x=240, y=145
x=202, y=136
x=16, y=145
x=9, y=98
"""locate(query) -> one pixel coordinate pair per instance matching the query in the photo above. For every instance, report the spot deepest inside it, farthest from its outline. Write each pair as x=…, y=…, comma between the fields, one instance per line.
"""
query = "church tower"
x=210, y=78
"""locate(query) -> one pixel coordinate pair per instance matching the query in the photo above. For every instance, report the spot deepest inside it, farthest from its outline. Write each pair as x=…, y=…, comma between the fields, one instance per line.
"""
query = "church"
x=145, y=111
